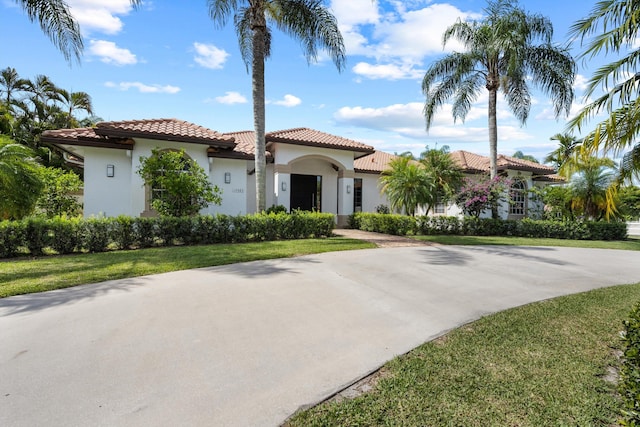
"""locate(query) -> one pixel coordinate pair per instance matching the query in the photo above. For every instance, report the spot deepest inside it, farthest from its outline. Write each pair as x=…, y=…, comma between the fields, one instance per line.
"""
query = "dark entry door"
x=305, y=192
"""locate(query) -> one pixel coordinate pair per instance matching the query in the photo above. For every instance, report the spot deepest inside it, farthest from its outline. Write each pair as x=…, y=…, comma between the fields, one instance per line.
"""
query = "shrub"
x=11, y=238
x=122, y=232
x=388, y=223
x=36, y=235
x=630, y=371
x=65, y=234
x=144, y=231
x=96, y=234
x=276, y=209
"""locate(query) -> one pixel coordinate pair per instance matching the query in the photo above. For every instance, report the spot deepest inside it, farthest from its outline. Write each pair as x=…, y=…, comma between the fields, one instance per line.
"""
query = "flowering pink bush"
x=477, y=196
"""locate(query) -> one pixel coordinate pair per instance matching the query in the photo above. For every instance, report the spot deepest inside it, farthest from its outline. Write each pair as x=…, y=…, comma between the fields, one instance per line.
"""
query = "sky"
x=167, y=59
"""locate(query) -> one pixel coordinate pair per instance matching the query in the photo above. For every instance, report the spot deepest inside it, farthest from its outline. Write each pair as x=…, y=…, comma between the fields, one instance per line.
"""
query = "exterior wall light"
x=111, y=171
x=227, y=177
x=284, y=186
x=348, y=189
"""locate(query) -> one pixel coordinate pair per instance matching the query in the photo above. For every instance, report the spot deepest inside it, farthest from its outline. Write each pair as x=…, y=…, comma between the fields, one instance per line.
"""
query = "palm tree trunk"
x=493, y=141
x=259, y=34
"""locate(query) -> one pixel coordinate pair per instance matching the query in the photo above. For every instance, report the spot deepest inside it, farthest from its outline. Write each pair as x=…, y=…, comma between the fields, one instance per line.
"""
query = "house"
x=306, y=169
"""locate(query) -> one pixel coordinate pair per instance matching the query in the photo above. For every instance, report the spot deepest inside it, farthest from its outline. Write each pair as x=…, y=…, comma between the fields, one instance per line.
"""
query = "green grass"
x=538, y=365
x=23, y=276
x=632, y=243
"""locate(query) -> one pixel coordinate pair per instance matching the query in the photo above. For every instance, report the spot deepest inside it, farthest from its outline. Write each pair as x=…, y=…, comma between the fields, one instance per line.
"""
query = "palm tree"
x=616, y=26
x=76, y=101
x=500, y=55
x=58, y=24
x=20, y=183
x=10, y=84
x=306, y=20
x=407, y=185
x=567, y=145
x=593, y=186
x=447, y=175
x=43, y=90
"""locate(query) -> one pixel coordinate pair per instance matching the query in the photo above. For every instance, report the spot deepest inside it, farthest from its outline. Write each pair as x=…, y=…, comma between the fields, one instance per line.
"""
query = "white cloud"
x=109, y=53
x=580, y=82
x=231, y=98
x=387, y=71
x=99, y=15
x=143, y=88
x=288, y=101
x=210, y=56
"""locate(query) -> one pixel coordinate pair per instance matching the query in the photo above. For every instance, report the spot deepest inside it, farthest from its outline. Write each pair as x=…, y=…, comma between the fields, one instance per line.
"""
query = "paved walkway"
x=248, y=344
x=381, y=240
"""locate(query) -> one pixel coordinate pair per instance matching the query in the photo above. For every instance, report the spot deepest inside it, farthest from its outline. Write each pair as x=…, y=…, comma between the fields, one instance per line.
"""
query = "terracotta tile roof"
x=550, y=178
x=373, y=163
x=315, y=138
x=164, y=129
x=475, y=163
x=84, y=137
x=245, y=146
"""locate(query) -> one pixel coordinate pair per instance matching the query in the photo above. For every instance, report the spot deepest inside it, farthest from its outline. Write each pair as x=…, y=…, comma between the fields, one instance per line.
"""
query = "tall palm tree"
x=567, y=145
x=407, y=184
x=448, y=176
x=500, y=54
x=42, y=90
x=306, y=20
x=615, y=25
x=20, y=183
x=10, y=85
x=76, y=101
x=58, y=24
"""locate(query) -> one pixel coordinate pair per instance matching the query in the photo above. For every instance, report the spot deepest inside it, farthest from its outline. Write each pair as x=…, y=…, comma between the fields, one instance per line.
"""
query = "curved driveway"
x=248, y=344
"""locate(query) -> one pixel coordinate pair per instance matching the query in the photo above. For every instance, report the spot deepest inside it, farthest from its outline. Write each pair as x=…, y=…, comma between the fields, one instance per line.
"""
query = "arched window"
x=518, y=193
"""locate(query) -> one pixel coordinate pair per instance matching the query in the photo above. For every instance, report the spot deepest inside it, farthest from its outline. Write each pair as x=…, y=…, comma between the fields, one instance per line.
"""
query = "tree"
x=629, y=197
x=520, y=155
x=20, y=183
x=500, y=55
x=477, y=196
x=179, y=186
x=57, y=23
x=593, y=186
x=567, y=145
x=306, y=20
x=57, y=196
x=407, y=185
x=615, y=25
x=10, y=84
x=447, y=175
x=76, y=101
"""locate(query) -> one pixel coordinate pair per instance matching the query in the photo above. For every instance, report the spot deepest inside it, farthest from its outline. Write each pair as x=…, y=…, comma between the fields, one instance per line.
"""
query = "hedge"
x=630, y=372
x=68, y=235
x=426, y=225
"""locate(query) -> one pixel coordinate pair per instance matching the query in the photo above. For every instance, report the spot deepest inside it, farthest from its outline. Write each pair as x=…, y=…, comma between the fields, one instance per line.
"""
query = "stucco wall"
x=234, y=194
x=323, y=168
x=371, y=195
x=103, y=195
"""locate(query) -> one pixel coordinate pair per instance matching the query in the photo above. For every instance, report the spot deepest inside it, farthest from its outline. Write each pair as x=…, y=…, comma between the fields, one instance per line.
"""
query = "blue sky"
x=168, y=59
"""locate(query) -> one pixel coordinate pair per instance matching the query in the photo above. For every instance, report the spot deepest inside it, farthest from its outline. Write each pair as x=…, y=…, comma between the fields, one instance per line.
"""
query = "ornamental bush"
x=67, y=235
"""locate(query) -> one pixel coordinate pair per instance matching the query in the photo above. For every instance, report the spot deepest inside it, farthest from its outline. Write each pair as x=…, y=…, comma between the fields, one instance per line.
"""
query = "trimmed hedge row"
x=65, y=235
x=425, y=225
x=630, y=371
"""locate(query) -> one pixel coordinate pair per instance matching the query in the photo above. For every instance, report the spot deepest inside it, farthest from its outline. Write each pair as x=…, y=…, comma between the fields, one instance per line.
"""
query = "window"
x=518, y=195
x=357, y=194
x=439, y=208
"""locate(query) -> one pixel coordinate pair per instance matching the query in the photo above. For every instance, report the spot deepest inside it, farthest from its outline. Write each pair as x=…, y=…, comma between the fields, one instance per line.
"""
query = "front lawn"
x=26, y=275
x=547, y=363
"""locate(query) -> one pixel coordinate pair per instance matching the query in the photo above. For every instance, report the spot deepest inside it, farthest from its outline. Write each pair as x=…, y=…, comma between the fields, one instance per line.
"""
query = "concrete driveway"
x=248, y=344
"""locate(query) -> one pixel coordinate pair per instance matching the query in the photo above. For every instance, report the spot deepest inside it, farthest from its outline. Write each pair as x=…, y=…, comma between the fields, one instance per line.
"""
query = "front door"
x=305, y=192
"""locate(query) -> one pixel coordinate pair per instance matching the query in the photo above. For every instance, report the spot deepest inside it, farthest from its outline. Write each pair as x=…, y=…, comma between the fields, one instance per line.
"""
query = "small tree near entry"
x=477, y=196
x=58, y=194
x=179, y=186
